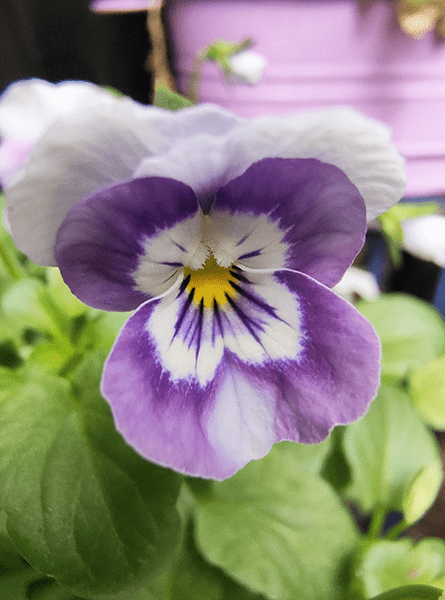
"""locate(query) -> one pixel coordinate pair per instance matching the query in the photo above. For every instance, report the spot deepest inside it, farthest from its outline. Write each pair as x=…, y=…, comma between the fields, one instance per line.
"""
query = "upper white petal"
x=359, y=146
x=28, y=107
x=90, y=150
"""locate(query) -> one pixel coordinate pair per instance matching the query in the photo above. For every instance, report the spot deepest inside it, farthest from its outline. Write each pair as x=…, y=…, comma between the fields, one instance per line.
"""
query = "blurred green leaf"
x=165, y=98
x=336, y=470
x=82, y=506
x=427, y=391
x=391, y=223
x=30, y=304
x=15, y=574
x=278, y=529
x=62, y=295
x=100, y=332
x=412, y=592
x=385, y=565
x=387, y=451
x=412, y=332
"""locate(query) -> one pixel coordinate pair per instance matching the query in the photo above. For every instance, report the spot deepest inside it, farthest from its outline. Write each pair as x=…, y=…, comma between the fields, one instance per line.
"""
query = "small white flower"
x=357, y=282
x=424, y=237
x=247, y=66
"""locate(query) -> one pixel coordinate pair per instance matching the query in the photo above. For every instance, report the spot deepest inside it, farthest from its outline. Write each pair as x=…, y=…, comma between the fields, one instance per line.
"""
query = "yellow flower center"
x=210, y=283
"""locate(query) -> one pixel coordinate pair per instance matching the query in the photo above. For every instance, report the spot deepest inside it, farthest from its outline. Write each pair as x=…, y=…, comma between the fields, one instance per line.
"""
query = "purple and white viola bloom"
x=225, y=235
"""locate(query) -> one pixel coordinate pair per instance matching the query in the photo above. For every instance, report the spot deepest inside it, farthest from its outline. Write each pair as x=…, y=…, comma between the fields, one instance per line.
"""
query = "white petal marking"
x=260, y=323
x=252, y=240
x=166, y=252
x=177, y=353
x=242, y=424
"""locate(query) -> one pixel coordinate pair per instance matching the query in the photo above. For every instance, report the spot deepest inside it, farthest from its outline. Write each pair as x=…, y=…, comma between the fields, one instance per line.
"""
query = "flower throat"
x=211, y=283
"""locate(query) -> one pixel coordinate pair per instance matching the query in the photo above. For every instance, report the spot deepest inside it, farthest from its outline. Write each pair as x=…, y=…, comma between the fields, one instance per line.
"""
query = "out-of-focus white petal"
x=73, y=160
x=91, y=150
x=424, y=237
x=247, y=66
x=29, y=107
x=357, y=282
x=359, y=146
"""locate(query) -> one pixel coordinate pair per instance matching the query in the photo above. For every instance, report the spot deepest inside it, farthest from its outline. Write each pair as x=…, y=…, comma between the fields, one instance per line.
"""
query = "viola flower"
x=424, y=237
x=357, y=283
x=246, y=67
x=28, y=108
x=225, y=235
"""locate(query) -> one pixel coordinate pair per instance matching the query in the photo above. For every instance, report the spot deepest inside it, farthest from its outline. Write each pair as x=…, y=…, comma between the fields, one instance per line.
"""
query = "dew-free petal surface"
x=214, y=428
x=318, y=211
x=104, y=247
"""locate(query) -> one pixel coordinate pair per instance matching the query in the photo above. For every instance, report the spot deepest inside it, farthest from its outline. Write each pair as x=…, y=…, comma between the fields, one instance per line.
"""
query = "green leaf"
x=192, y=577
x=165, y=98
x=410, y=210
x=391, y=223
x=82, y=506
x=15, y=574
x=336, y=470
x=427, y=391
x=61, y=294
x=48, y=589
x=412, y=592
x=101, y=332
x=387, y=451
x=412, y=332
x=385, y=565
x=309, y=456
x=277, y=529
x=29, y=302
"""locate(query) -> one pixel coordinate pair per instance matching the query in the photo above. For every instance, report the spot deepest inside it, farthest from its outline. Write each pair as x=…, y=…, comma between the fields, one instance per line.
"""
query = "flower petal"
x=127, y=243
x=213, y=427
x=86, y=152
x=424, y=237
x=299, y=214
x=91, y=150
x=359, y=146
x=28, y=107
x=181, y=424
x=336, y=376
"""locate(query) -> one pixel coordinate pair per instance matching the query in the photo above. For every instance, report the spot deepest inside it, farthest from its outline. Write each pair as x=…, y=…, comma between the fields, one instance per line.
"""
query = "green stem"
x=195, y=77
x=377, y=521
x=396, y=530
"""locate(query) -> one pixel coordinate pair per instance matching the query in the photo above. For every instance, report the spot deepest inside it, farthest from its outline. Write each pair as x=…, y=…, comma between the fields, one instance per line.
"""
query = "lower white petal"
x=242, y=424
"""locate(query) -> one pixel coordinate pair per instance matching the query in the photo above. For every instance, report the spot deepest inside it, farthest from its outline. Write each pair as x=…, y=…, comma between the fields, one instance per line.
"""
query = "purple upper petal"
x=320, y=212
x=101, y=241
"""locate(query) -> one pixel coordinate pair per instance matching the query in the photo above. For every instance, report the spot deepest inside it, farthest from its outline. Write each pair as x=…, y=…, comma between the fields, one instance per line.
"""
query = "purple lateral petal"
x=100, y=243
x=320, y=212
x=214, y=429
x=338, y=373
